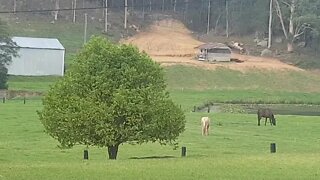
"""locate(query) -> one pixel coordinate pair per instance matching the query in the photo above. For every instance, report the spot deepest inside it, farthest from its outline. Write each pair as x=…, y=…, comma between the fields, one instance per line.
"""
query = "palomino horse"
x=266, y=113
x=205, y=124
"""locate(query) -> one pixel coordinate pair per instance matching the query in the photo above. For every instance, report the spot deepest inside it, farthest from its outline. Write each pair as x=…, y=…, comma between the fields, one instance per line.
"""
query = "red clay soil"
x=169, y=42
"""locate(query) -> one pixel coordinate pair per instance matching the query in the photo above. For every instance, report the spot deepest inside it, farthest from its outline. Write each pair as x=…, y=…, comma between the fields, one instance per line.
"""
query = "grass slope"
x=70, y=35
x=191, y=86
x=236, y=149
x=194, y=86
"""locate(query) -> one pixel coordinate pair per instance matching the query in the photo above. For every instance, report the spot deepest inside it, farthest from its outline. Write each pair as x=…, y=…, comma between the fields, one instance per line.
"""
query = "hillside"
x=169, y=42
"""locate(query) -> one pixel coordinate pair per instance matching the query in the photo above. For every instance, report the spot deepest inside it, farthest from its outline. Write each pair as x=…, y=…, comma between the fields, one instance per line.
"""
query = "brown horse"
x=266, y=113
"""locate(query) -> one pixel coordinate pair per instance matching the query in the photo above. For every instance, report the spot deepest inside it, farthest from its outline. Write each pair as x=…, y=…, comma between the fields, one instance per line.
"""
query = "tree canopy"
x=7, y=51
x=112, y=94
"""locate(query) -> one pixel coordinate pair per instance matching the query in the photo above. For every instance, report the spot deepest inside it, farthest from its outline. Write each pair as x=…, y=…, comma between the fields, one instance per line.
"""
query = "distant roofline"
x=38, y=48
x=213, y=46
x=35, y=47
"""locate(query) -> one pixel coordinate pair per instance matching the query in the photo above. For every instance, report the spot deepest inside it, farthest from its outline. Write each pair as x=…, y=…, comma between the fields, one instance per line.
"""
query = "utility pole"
x=208, y=17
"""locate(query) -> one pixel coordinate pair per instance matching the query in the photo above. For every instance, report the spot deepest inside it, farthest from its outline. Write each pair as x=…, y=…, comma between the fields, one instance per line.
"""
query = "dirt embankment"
x=169, y=42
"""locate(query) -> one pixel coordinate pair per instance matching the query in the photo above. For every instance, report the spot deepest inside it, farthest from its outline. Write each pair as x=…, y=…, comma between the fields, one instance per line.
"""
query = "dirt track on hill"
x=169, y=42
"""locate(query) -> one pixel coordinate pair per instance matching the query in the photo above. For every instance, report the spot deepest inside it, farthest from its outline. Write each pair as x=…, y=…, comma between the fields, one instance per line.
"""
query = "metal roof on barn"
x=38, y=43
x=213, y=46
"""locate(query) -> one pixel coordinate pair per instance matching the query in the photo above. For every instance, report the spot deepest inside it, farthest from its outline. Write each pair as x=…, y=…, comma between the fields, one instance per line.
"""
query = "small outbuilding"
x=214, y=52
x=38, y=57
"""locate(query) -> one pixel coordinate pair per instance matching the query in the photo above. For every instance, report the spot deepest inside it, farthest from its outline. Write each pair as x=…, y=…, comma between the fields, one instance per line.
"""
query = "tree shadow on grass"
x=153, y=157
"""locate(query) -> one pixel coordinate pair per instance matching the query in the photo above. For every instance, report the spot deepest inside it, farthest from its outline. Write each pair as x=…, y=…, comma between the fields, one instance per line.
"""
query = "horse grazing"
x=205, y=124
x=266, y=113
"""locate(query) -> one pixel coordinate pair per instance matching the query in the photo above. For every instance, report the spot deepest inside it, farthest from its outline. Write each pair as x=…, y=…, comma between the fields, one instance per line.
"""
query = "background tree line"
x=293, y=20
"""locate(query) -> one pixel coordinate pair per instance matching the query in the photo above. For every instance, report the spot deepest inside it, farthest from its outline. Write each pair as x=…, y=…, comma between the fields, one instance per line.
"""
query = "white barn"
x=38, y=57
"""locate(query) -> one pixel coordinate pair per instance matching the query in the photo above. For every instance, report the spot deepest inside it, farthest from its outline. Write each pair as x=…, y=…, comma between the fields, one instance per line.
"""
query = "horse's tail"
x=273, y=119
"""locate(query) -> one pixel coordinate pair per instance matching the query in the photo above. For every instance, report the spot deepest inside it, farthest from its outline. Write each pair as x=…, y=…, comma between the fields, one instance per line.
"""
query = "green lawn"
x=30, y=83
x=236, y=149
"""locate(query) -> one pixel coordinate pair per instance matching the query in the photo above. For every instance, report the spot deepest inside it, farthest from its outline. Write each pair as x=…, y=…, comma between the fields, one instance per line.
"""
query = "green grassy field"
x=236, y=149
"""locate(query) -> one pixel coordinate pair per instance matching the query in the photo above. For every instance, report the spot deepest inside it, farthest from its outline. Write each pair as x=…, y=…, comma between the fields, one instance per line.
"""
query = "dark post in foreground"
x=3, y=100
x=194, y=109
x=85, y=155
x=273, y=147
x=183, y=151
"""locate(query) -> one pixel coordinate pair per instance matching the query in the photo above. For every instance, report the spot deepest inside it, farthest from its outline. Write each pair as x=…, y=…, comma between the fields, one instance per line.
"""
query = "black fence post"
x=183, y=151
x=208, y=109
x=273, y=148
x=194, y=108
x=3, y=100
x=24, y=100
x=85, y=154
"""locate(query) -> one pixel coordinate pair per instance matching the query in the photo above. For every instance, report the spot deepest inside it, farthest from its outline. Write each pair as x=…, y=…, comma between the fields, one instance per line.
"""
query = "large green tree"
x=7, y=51
x=111, y=95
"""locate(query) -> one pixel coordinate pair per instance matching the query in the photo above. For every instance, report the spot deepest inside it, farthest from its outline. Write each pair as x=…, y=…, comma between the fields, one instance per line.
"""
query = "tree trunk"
x=162, y=7
x=14, y=6
x=270, y=25
x=113, y=151
x=106, y=17
x=208, y=17
x=74, y=6
x=217, y=23
x=290, y=47
x=143, y=10
x=56, y=12
x=291, y=26
x=125, y=13
x=292, y=11
x=85, y=27
x=185, y=15
x=281, y=19
x=174, y=5
x=132, y=4
x=227, y=18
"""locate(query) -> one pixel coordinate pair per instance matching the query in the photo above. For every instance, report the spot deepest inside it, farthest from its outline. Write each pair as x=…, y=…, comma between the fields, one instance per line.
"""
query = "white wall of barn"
x=38, y=62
